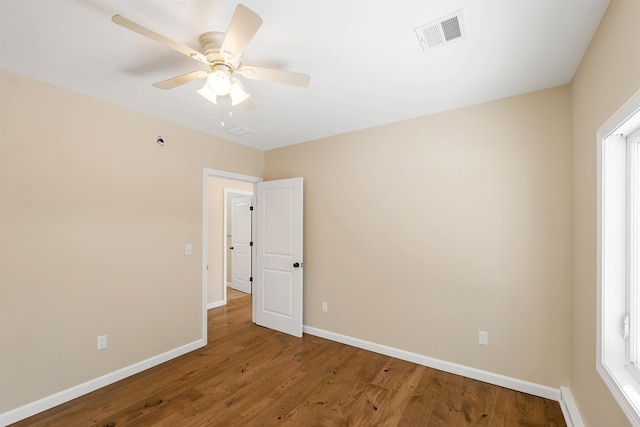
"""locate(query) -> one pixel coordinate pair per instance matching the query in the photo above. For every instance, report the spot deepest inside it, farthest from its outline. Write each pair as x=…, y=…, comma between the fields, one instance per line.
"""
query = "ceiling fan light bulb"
x=206, y=93
x=237, y=93
x=219, y=82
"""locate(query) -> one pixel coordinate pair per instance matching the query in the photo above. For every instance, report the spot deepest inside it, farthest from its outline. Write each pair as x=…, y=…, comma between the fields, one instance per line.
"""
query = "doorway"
x=278, y=229
x=214, y=289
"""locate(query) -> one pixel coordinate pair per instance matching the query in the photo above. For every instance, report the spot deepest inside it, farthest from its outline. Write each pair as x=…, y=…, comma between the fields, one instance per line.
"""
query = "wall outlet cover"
x=101, y=342
x=483, y=337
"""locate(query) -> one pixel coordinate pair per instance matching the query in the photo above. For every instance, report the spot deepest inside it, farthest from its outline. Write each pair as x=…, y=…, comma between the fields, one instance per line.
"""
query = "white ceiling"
x=367, y=67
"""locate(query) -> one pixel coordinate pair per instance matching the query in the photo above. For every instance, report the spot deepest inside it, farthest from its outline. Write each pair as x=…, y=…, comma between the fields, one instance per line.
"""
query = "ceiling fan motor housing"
x=210, y=43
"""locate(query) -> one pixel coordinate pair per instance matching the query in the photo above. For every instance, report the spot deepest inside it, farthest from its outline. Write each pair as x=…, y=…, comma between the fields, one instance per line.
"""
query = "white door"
x=278, y=280
x=241, y=244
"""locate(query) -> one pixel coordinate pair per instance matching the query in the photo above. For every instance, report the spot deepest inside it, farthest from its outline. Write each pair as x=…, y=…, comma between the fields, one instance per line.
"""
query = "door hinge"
x=251, y=279
x=250, y=243
x=250, y=208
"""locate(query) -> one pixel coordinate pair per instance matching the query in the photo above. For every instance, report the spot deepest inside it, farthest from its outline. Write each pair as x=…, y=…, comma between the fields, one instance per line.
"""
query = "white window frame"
x=633, y=292
x=616, y=358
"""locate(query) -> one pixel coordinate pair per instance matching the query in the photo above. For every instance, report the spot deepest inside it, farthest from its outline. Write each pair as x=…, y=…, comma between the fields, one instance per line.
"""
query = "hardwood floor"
x=252, y=376
x=233, y=294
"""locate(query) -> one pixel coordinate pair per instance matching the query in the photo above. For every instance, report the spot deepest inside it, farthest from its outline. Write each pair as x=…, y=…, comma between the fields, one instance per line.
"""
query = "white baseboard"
x=454, y=368
x=215, y=304
x=49, y=402
x=562, y=395
x=570, y=409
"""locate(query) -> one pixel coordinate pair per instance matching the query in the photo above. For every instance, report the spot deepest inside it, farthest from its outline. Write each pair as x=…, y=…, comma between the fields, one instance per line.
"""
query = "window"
x=618, y=357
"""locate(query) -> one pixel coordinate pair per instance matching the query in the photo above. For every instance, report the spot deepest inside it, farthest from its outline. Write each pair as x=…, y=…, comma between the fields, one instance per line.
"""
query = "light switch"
x=188, y=249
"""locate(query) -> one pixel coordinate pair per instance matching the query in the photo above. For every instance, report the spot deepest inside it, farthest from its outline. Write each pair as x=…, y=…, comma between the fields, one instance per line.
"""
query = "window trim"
x=632, y=293
x=612, y=361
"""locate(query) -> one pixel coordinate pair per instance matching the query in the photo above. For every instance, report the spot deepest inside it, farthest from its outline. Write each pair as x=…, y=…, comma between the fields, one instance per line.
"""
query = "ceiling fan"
x=222, y=53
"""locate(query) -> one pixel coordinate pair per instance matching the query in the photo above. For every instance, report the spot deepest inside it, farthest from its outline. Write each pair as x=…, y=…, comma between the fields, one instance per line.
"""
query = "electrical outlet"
x=101, y=342
x=483, y=337
x=324, y=306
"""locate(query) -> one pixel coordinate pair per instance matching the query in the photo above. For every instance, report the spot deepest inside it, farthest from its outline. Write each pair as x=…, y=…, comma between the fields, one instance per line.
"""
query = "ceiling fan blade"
x=242, y=28
x=276, y=76
x=180, y=80
x=130, y=25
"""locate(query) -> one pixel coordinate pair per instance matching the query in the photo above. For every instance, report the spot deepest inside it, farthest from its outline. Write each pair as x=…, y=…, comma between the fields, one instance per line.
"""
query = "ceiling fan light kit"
x=219, y=81
x=235, y=91
x=222, y=52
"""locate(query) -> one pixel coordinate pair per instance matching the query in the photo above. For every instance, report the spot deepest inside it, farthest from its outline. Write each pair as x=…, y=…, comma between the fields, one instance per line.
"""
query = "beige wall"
x=94, y=218
x=216, y=242
x=420, y=233
x=608, y=76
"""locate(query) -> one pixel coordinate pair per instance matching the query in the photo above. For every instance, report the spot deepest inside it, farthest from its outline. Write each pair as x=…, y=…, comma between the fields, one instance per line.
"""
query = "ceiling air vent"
x=238, y=130
x=444, y=30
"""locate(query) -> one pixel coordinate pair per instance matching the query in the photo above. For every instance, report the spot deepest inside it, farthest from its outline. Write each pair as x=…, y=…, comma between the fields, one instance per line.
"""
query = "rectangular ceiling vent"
x=447, y=29
x=239, y=130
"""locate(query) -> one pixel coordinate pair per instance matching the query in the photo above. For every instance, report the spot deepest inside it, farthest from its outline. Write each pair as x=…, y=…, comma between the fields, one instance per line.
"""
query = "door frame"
x=228, y=191
x=215, y=173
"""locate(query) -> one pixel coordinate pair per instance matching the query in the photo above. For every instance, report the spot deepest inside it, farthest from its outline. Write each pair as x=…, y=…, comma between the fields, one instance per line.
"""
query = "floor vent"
x=444, y=30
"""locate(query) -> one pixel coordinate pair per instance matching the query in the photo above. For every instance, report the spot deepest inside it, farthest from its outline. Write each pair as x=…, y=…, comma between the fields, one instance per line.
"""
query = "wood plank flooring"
x=252, y=376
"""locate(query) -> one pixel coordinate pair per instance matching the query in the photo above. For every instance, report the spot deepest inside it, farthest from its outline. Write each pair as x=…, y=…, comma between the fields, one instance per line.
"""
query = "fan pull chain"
x=222, y=115
x=224, y=101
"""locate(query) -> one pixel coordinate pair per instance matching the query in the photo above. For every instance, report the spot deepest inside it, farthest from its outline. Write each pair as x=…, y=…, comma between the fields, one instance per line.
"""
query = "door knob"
x=231, y=248
x=296, y=265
